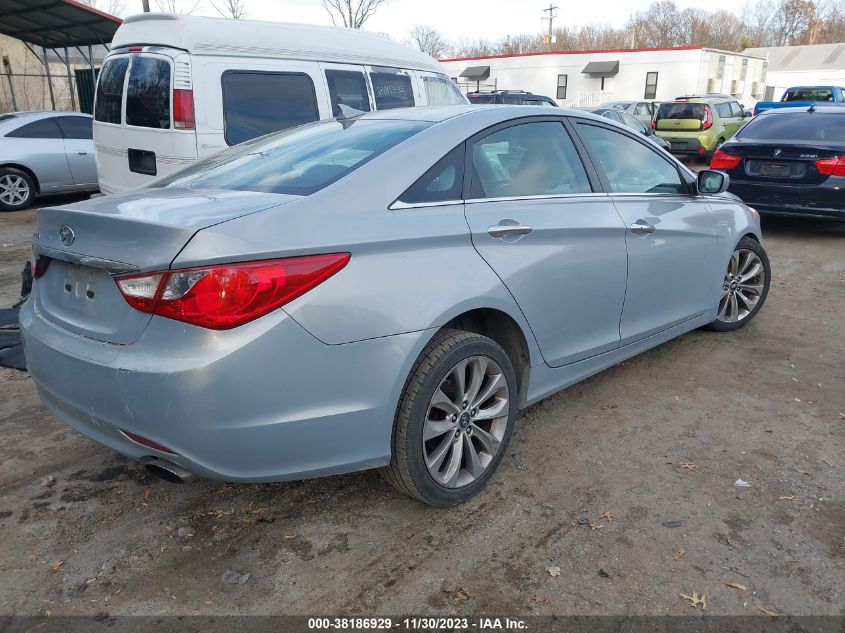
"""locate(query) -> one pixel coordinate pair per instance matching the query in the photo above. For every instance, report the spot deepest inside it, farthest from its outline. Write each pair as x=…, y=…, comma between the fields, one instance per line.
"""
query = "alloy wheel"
x=742, y=287
x=466, y=421
x=14, y=190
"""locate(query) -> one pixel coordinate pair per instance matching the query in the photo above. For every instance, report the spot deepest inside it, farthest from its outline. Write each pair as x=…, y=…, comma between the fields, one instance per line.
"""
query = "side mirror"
x=711, y=182
x=747, y=113
x=649, y=131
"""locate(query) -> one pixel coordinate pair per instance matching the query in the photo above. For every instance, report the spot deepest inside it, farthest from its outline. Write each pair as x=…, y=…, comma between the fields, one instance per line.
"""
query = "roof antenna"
x=812, y=108
x=347, y=112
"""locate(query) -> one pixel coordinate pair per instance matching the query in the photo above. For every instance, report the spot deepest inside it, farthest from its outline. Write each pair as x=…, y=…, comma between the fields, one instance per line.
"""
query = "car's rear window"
x=482, y=98
x=796, y=126
x=110, y=90
x=300, y=161
x=681, y=111
x=148, y=93
x=809, y=94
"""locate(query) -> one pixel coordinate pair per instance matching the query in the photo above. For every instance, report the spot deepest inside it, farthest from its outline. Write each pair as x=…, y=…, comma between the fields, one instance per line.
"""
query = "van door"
x=141, y=141
x=347, y=85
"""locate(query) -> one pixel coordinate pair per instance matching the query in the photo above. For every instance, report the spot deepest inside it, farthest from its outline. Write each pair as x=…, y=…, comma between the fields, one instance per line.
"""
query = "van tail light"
x=831, y=166
x=226, y=296
x=40, y=268
x=708, y=118
x=183, y=109
x=723, y=160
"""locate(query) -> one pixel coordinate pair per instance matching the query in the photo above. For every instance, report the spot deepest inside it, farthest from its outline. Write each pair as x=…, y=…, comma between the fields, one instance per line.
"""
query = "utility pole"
x=552, y=14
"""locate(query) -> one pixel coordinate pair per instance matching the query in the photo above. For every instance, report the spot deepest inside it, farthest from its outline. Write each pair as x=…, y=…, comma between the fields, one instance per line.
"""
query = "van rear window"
x=257, y=103
x=148, y=93
x=110, y=90
x=681, y=111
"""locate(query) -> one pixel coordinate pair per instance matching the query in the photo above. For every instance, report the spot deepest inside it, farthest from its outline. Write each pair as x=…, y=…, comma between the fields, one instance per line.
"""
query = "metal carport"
x=56, y=25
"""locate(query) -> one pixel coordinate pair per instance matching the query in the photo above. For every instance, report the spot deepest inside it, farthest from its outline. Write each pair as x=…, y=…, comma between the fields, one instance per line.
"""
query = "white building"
x=811, y=65
x=587, y=78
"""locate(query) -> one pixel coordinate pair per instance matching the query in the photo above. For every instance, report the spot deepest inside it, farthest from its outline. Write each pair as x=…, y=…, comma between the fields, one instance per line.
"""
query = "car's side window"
x=724, y=110
x=347, y=87
x=630, y=165
x=632, y=122
x=736, y=111
x=612, y=115
x=392, y=88
x=527, y=159
x=642, y=109
x=76, y=127
x=43, y=128
x=441, y=183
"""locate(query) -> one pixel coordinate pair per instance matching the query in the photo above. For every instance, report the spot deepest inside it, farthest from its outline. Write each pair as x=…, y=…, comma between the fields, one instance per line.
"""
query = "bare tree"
x=429, y=40
x=171, y=6
x=353, y=13
x=517, y=44
x=114, y=7
x=793, y=20
x=235, y=9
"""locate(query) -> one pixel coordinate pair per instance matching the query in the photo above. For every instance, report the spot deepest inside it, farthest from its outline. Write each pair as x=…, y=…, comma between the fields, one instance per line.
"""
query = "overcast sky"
x=469, y=19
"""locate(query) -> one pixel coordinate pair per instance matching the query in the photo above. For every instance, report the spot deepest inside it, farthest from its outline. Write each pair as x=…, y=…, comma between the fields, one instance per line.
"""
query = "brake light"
x=183, y=109
x=136, y=49
x=654, y=124
x=708, y=118
x=831, y=166
x=723, y=160
x=226, y=296
x=40, y=268
x=143, y=441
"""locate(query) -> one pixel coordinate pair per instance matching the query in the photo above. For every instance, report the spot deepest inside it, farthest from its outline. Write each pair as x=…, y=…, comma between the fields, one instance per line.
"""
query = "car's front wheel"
x=454, y=420
x=16, y=189
x=745, y=286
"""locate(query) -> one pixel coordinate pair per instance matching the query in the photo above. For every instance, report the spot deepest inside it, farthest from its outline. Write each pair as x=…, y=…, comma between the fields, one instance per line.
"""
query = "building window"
x=720, y=69
x=561, y=86
x=651, y=85
x=744, y=72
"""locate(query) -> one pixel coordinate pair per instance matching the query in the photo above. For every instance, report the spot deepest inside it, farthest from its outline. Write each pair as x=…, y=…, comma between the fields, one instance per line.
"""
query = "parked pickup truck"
x=804, y=96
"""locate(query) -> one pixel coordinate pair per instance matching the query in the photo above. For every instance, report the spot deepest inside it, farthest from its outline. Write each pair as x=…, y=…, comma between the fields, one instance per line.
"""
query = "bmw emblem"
x=66, y=235
x=777, y=152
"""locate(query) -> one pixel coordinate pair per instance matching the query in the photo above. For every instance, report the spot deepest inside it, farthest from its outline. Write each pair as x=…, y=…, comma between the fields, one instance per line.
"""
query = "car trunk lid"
x=89, y=243
x=792, y=163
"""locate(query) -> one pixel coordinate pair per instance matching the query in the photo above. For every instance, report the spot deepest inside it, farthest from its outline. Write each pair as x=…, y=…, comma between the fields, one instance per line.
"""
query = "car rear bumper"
x=263, y=402
x=775, y=199
x=686, y=145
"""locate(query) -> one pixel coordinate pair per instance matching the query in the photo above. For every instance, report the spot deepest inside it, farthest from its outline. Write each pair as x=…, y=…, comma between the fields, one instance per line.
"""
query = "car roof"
x=816, y=109
x=500, y=112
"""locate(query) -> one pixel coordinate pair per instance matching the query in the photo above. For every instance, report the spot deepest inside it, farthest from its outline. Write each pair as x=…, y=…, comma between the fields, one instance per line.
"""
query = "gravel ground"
x=594, y=477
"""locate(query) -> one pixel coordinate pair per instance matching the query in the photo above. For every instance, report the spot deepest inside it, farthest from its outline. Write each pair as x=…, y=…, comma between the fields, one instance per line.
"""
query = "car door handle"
x=641, y=227
x=82, y=153
x=506, y=228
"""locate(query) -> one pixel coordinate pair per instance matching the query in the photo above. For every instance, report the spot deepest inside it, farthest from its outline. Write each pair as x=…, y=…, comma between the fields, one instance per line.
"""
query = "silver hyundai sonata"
x=383, y=291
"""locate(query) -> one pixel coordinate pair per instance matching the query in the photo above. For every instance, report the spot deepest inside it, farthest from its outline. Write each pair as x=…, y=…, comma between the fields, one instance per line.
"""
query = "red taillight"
x=41, y=263
x=136, y=49
x=183, y=109
x=226, y=296
x=708, y=118
x=143, y=441
x=831, y=166
x=654, y=125
x=723, y=160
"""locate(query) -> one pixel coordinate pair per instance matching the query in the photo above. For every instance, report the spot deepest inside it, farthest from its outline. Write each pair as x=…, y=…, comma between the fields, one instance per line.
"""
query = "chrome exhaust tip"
x=168, y=471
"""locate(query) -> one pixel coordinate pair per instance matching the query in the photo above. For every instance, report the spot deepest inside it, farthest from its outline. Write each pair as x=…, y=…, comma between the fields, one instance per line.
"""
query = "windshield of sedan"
x=801, y=126
x=300, y=161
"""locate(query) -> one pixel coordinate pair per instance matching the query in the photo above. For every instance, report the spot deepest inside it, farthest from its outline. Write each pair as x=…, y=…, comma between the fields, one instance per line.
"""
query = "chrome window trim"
x=399, y=206
x=110, y=266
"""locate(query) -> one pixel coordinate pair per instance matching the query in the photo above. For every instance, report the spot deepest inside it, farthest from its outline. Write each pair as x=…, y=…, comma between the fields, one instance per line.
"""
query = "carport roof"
x=56, y=23
x=602, y=69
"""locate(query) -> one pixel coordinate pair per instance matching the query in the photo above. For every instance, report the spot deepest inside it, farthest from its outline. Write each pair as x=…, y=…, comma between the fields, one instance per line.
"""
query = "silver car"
x=644, y=111
x=384, y=291
x=42, y=153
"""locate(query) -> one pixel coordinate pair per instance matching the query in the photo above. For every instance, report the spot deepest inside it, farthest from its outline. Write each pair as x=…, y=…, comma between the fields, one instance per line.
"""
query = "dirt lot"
x=660, y=438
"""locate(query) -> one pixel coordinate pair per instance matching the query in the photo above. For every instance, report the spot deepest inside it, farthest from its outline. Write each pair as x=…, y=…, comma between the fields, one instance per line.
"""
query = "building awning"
x=476, y=73
x=56, y=23
x=602, y=69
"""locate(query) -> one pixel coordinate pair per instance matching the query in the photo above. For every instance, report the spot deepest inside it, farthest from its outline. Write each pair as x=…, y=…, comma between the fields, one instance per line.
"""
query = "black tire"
x=407, y=471
x=14, y=173
x=748, y=244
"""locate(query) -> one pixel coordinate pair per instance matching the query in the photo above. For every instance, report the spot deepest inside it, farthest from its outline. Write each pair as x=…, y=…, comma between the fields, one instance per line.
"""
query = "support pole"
x=70, y=81
x=49, y=78
x=93, y=76
x=7, y=68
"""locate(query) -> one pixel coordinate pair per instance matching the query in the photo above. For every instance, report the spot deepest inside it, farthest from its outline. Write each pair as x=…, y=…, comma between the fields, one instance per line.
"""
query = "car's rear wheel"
x=454, y=420
x=16, y=189
x=745, y=286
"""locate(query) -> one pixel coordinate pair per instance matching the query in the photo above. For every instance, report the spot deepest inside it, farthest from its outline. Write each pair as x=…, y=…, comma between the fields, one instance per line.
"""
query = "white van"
x=176, y=88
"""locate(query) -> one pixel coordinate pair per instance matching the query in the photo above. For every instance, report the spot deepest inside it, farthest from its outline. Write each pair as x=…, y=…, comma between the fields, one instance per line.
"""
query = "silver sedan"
x=383, y=291
x=43, y=153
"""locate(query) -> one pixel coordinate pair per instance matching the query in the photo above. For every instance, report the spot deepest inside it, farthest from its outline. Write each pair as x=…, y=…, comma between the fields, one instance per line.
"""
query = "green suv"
x=697, y=126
